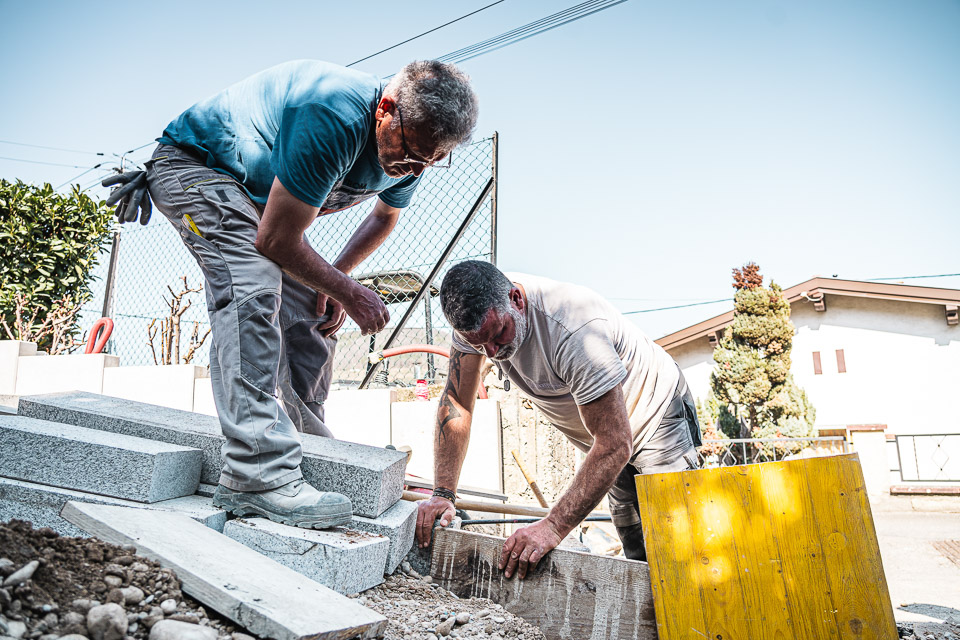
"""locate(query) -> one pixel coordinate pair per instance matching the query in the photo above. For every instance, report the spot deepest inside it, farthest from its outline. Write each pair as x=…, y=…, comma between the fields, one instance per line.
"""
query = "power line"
x=537, y=27
x=94, y=167
x=40, y=146
x=942, y=275
x=446, y=24
x=52, y=164
x=681, y=306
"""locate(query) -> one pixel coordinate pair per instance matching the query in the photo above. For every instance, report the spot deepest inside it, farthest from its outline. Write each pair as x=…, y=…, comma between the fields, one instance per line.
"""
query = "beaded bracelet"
x=445, y=493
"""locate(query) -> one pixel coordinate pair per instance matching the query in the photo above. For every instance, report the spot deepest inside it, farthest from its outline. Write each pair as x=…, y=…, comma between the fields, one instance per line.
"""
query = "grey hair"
x=436, y=98
x=469, y=290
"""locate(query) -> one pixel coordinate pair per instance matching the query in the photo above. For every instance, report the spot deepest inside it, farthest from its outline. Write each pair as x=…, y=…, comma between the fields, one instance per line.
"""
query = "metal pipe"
x=425, y=287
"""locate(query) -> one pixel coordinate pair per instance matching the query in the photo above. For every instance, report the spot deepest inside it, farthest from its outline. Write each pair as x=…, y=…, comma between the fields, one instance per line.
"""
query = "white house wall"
x=902, y=361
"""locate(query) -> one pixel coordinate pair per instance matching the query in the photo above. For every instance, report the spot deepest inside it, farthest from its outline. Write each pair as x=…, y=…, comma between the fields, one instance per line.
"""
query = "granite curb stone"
x=398, y=523
x=88, y=460
x=370, y=476
x=41, y=505
x=340, y=559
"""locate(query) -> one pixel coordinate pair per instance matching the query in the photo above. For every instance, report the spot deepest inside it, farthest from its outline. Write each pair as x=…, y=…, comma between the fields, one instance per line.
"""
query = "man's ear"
x=386, y=105
x=516, y=297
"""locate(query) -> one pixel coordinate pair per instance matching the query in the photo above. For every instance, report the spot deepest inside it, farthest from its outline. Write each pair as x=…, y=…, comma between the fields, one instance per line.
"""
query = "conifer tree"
x=757, y=395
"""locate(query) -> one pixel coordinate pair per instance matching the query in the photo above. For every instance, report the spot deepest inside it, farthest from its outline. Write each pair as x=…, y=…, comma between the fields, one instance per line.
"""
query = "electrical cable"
x=446, y=24
x=942, y=275
x=93, y=168
x=52, y=164
x=529, y=30
x=680, y=306
x=40, y=146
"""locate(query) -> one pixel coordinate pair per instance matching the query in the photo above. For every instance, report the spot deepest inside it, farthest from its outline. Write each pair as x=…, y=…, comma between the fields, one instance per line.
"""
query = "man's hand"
x=327, y=306
x=427, y=513
x=524, y=549
x=367, y=310
x=133, y=195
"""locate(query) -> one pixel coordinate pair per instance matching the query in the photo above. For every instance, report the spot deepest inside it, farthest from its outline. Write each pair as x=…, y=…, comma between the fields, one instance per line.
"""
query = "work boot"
x=296, y=504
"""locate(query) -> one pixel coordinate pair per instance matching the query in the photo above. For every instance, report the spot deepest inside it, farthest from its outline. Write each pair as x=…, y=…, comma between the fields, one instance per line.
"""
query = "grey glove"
x=133, y=195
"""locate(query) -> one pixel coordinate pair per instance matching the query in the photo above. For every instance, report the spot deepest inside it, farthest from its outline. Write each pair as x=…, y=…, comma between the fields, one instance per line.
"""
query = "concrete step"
x=370, y=476
x=344, y=560
x=116, y=465
x=41, y=505
x=398, y=523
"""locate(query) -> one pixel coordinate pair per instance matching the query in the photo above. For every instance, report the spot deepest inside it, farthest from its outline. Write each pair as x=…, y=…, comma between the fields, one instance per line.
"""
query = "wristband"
x=446, y=494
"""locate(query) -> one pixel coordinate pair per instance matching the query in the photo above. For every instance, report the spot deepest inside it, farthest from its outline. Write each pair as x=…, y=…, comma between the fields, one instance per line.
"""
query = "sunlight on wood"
x=779, y=550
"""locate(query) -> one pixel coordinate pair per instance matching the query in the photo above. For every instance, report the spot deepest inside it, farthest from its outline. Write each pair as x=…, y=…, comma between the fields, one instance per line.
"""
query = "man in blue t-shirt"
x=241, y=176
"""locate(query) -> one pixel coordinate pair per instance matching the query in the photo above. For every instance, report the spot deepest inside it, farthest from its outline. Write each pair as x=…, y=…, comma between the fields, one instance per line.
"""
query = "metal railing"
x=927, y=457
x=726, y=453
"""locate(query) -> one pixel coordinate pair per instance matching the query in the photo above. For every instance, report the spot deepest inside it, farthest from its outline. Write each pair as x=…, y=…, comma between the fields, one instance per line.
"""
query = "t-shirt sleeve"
x=589, y=363
x=400, y=194
x=460, y=345
x=313, y=150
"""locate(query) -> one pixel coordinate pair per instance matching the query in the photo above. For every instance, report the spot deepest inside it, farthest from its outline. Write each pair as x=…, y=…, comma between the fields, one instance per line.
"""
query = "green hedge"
x=49, y=245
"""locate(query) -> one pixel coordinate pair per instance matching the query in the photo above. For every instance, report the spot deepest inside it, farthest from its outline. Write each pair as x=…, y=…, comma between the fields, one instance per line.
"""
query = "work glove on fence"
x=133, y=195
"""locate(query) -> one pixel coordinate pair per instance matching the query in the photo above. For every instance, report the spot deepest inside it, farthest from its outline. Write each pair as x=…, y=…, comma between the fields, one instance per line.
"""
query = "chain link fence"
x=152, y=263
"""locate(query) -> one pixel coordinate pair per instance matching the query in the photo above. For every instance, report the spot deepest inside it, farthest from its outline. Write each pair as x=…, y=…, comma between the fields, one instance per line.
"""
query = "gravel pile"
x=84, y=589
x=419, y=609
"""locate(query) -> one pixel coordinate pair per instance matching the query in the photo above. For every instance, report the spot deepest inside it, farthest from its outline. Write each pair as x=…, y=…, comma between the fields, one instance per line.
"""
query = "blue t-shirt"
x=308, y=123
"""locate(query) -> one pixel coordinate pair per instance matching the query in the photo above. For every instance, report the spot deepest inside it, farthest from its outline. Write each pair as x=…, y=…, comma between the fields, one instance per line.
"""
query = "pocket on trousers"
x=259, y=330
x=239, y=217
x=219, y=285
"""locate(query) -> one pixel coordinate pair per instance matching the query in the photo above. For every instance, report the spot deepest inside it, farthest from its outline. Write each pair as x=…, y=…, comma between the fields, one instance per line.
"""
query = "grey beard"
x=520, y=328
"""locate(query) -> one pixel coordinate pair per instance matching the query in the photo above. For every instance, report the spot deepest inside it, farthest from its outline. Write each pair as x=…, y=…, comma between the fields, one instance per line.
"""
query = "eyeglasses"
x=411, y=160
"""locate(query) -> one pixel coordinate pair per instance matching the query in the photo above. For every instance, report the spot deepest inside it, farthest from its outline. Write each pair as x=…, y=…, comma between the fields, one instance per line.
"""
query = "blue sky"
x=645, y=150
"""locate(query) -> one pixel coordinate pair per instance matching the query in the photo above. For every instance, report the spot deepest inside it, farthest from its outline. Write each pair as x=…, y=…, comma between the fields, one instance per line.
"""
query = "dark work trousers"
x=671, y=448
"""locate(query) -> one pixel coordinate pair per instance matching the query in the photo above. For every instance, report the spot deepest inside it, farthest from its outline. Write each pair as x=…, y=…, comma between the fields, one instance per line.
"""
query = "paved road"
x=924, y=584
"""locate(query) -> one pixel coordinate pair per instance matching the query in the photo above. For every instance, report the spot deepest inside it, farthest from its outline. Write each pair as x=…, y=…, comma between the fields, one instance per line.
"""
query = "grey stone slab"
x=263, y=597
x=92, y=461
x=41, y=505
x=370, y=476
x=420, y=559
x=206, y=490
x=398, y=523
x=341, y=559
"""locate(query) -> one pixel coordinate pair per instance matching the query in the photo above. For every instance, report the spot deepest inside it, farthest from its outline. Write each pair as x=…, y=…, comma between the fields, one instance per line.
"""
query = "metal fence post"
x=425, y=287
x=493, y=199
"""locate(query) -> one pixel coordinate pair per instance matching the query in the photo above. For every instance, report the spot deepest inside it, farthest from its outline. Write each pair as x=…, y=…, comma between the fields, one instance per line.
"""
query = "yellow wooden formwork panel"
x=777, y=550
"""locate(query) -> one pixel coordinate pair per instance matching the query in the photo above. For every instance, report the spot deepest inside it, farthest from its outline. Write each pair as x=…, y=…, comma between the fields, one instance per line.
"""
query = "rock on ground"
x=419, y=609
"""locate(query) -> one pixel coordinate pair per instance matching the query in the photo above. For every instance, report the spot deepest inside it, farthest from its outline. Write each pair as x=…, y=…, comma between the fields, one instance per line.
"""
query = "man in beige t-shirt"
x=613, y=392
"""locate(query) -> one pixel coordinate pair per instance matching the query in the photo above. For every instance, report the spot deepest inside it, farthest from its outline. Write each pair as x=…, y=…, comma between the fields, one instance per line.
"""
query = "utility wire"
x=680, y=306
x=52, y=164
x=942, y=275
x=537, y=27
x=94, y=167
x=446, y=24
x=40, y=146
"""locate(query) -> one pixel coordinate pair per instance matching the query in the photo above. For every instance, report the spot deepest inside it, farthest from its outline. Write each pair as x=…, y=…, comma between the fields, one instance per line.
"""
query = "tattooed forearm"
x=455, y=366
x=448, y=411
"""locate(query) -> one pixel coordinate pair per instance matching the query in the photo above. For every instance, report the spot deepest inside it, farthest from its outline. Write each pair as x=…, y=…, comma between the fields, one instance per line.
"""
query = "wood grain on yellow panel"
x=667, y=532
x=757, y=557
x=844, y=523
x=714, y=569
x=787, y=500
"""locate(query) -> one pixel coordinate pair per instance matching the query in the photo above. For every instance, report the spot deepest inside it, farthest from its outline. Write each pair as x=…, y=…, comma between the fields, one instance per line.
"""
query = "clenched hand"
x=524, y=549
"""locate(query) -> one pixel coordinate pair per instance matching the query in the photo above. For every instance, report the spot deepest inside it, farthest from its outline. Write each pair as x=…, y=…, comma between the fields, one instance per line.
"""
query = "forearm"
x=595, y=477
x=371, y=233
x=302, y=263
x=451, y=438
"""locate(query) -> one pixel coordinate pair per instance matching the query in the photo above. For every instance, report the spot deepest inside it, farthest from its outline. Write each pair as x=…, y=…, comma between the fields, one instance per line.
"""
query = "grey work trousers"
x=270, y=367
x=672, y=447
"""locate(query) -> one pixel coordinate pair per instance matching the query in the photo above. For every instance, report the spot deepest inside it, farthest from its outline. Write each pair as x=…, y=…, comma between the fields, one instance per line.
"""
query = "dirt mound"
x=73, y=575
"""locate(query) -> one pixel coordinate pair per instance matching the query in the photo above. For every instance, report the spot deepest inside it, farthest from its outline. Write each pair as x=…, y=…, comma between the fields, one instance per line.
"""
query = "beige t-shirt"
x=577, y=348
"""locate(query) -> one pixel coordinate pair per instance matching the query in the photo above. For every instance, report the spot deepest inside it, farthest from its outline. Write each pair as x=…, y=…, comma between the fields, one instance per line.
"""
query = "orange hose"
x=99, y=334
x=426, y=348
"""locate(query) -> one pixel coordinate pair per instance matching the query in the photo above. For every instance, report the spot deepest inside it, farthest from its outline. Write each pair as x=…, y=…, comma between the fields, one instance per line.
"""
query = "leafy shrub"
x=49, y=245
